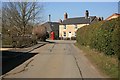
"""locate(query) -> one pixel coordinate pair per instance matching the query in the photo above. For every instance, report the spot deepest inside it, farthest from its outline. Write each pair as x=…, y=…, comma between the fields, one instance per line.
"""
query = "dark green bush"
x=103, y=36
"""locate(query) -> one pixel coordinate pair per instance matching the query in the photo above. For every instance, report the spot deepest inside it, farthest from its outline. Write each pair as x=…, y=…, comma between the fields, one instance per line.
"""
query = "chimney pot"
x=65, y=16
x=86, y=14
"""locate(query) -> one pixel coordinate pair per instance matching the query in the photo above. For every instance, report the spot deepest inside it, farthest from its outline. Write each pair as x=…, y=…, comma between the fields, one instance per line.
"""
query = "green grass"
x=107, y=65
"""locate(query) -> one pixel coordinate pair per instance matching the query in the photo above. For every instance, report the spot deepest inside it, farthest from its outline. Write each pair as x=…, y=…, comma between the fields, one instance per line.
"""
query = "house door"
x=69, y=34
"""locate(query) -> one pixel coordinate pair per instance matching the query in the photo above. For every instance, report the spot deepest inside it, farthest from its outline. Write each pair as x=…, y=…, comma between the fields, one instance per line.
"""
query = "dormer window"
x=64, y=26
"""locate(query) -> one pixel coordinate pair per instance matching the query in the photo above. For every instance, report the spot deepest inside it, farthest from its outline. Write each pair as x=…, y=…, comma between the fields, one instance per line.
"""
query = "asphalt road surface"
x=60, y=59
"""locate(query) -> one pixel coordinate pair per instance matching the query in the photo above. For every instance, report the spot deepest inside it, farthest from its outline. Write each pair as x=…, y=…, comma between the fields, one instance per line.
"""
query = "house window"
x=75, y=33
x=64, y=26
x=64, y=33
x=75, y=26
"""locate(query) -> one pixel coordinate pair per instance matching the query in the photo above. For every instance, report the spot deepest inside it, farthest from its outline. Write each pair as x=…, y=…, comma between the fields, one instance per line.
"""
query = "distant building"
x=69, y=26
x=113, y=16
x=52, y=27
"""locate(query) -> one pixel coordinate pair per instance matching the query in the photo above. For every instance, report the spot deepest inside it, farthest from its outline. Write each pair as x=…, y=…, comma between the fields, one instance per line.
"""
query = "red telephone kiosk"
x=52, y=35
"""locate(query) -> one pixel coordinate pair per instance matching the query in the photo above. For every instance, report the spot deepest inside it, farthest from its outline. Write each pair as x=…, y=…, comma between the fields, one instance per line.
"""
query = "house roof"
x=80, y=20
x=51, y=26
x=110, y=17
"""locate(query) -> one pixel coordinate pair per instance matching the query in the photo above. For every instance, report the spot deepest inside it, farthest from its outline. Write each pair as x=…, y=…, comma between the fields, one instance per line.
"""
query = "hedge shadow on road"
x=11, y=59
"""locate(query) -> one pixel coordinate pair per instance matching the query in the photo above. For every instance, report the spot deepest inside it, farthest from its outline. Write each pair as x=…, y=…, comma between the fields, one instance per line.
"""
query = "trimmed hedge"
x=103, y=36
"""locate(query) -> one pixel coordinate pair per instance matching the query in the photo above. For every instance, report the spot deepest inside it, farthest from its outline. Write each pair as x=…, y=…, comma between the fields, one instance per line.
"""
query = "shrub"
x=6, y=41
x=103, y=36
x=23, y=41
x=40, y=32
x=73, y=38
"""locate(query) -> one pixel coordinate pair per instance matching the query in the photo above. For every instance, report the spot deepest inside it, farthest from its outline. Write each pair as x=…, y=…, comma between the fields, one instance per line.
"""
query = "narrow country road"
x=60, y=59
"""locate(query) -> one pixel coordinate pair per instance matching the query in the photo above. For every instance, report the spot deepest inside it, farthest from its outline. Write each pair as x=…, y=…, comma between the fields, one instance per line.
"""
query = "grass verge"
x=107, y=65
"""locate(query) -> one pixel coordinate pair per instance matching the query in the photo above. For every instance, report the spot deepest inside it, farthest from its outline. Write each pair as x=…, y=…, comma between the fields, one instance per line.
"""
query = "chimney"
x=49, y=18
x=102, y=18
x=86, y=14
x=65, y=16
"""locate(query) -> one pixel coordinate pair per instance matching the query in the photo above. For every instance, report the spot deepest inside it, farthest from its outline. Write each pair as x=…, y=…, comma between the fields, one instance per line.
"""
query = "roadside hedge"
x=18, y=41
x=103, y=36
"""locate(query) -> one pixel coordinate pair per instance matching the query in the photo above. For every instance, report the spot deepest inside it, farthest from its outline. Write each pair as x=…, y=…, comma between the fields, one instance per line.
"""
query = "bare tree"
x=20, y=15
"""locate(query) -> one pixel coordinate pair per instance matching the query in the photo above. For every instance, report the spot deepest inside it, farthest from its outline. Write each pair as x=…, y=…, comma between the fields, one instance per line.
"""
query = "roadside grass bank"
x=106, y=64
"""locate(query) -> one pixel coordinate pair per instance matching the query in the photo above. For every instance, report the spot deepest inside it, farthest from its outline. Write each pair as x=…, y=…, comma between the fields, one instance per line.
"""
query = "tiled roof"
x=51, y=26
x=80, y=20
x=115, y=14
